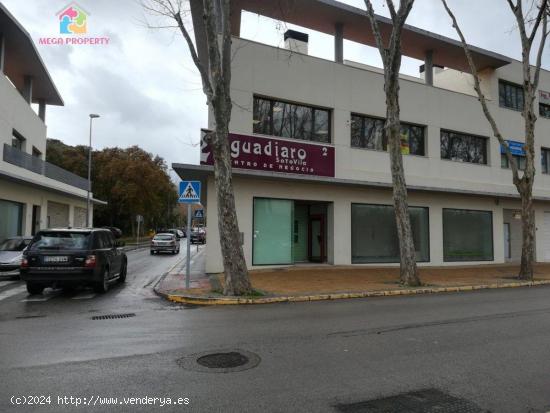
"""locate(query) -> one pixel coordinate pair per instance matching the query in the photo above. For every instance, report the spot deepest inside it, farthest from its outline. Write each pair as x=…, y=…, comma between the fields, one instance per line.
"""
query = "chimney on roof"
x=296, y=41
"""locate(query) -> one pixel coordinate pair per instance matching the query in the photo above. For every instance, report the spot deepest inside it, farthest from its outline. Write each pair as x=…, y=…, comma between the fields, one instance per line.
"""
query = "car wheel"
x=152, y=252
x=103, y=285
x=123, y=272
x=33, y=288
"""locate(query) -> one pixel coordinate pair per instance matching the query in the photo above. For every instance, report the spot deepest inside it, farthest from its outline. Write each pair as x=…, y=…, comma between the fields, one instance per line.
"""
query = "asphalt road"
x=491, y=348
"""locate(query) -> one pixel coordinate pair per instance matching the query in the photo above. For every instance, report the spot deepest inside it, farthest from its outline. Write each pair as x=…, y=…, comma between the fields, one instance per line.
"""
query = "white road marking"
x=11, y=292
x=4, y=283
x=83, y=296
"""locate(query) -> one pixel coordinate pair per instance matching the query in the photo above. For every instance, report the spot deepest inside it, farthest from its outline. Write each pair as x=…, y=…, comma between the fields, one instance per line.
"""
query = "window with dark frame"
x=545, y=160
x=544, y=110
x=369, y=133
x=462, y=147
x=510, y=95
x=520, y=160
x=17, y=141
x=291, y=120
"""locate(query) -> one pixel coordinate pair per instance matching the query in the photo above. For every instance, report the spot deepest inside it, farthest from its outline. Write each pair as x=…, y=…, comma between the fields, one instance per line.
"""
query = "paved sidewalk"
x=325, y=282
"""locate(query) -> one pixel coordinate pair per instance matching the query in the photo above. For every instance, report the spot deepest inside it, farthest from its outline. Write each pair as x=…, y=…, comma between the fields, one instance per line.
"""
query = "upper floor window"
x=463, y=148
x=290, y=120
x=544, y=110
x=17, y=140
x=510, y=95
x=369, y=133
x=545, y=160
x=36, y=153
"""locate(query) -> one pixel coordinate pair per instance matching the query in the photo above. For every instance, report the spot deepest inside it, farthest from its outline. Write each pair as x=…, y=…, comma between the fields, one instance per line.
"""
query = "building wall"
x=339, y=217
x=45, y=199
x=269, y=71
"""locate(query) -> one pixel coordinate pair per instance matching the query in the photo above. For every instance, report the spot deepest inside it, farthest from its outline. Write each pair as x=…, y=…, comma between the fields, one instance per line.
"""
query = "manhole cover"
x=423, y=401
x=221, y=361
x=112, y=316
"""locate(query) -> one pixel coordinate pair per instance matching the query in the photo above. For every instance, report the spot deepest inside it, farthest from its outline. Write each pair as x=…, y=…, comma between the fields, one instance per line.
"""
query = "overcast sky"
x=145, y=86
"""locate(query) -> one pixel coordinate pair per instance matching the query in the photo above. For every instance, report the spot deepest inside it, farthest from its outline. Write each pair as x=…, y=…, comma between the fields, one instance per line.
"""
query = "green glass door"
x=272, y=237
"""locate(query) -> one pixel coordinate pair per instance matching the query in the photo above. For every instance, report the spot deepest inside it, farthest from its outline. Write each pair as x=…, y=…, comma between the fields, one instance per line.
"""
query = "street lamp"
x=92, y=116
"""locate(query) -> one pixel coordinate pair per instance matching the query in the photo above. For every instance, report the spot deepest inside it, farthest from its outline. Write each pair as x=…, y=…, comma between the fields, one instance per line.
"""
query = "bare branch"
x=376, y=32
x=391, y=7
x=544, y=36
x=481, y=96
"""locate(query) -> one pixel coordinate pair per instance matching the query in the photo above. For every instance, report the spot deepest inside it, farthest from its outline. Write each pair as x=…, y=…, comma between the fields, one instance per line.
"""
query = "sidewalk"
x=326, y=282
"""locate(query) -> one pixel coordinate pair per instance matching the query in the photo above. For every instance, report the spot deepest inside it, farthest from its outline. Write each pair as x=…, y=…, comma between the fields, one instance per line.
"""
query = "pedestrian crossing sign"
x=190, y=192
x=199, y=213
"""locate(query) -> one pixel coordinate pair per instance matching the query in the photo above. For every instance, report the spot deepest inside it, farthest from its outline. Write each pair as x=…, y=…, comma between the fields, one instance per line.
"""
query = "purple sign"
x=276, y=155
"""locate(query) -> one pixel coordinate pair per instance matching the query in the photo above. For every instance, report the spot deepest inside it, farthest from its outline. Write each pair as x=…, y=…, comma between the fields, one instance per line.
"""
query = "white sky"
x=145, y=85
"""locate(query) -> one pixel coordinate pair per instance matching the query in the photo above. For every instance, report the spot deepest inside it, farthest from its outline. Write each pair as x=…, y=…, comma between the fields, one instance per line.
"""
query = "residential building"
x=311, y=169
x=34, y=194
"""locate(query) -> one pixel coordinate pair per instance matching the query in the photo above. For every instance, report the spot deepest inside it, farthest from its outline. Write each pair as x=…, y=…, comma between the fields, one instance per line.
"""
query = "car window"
x=61, y=241
x=107, y=240
x=14, y=244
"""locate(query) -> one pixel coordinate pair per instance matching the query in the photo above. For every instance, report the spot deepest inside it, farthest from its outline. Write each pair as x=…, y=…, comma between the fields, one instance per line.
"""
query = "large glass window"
x=290, y=120
x=11, y=219
x=272, y=237
x=545, y=160
x=463, y=148
x=369, y=133
x=544, y=110
x=467, y=235
x=374, y=234
x=510, y=95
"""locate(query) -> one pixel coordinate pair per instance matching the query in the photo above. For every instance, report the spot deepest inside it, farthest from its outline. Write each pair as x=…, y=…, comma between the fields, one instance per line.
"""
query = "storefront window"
x=369, y=133
x=273, y=232
x=374, y=234
x=11, y=219
x=463, y=148
x=467, y=235
x=289, y=120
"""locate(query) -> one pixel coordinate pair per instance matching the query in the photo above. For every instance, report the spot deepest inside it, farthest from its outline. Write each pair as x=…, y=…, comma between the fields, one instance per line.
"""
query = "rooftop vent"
x=296, y=41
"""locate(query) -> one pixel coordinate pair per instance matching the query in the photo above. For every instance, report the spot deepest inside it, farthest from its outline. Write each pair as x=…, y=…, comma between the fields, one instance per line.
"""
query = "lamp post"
x=92, y=116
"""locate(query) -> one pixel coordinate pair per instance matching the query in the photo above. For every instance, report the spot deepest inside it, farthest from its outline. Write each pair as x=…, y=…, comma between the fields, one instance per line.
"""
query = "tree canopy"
x=131, y=180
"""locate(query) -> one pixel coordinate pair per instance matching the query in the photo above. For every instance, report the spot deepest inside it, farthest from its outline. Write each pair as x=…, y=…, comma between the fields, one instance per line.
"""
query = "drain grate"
x=112, y=316
x=423, y=401
x=223, y=360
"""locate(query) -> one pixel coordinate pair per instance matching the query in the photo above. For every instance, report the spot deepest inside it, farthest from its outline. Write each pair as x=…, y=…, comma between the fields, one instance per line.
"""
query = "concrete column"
x=27, y=89
x=429, y=68
x=2, y=52
x=339, y=43
x=42, y=110
x=71, y=215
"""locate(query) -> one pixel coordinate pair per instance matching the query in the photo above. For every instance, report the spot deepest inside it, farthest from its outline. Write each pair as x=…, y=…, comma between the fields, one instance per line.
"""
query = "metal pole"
x=188, y=266
x=89, y=177
x=137, y=235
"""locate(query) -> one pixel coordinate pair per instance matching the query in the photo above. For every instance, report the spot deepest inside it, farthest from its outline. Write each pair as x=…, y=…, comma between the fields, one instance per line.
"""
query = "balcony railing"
x=32, y=163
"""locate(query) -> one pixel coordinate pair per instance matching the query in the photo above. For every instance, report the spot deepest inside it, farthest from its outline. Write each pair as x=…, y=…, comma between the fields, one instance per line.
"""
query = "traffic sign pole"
x=188, y=270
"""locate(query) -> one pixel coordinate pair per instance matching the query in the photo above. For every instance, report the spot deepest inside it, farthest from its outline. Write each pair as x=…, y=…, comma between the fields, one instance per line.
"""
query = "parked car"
x=165, y=242
x=11, y=253
x=177, y=232
x=198, y=236
x=65, y=257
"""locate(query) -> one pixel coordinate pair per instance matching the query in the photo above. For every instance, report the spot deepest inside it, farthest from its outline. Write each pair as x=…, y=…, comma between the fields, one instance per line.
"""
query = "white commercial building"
x=311, y=171
x=34, y=194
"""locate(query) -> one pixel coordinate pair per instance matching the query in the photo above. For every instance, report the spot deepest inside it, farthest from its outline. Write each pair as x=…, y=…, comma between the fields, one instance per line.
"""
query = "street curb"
x=202, y=300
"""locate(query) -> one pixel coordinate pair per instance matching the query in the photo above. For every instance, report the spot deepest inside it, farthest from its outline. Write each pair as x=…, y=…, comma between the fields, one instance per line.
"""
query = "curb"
x=202, y=300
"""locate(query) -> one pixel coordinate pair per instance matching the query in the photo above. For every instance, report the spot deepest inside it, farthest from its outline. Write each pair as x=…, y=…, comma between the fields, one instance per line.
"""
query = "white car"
x=165, y=242
x=11, y=253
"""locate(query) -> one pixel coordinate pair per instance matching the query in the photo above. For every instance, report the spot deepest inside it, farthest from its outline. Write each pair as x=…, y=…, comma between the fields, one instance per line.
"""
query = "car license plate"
x=55, y=259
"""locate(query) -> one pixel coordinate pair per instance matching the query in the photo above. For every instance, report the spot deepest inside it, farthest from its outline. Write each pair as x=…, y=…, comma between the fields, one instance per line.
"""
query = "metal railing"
x=32, y=163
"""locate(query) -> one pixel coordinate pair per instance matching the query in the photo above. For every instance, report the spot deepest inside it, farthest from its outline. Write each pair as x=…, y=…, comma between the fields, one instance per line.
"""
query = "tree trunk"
x=408, y=268
x=237, y=281
x=528, y=236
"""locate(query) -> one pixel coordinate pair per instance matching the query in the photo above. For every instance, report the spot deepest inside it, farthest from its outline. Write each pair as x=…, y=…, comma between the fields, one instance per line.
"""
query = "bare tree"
x=391, y=59
x=216, y=83
x=523, y=182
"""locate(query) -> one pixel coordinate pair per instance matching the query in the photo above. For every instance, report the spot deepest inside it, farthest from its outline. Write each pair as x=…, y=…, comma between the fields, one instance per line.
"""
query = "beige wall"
x=339, y=216
x=30, y=196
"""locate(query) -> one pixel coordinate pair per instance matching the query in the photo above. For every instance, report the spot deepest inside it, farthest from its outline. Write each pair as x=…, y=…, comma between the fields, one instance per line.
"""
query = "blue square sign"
x=190, y=192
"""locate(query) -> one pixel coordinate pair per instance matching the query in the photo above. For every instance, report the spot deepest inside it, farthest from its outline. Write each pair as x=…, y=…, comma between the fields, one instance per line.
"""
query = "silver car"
x=11, y=253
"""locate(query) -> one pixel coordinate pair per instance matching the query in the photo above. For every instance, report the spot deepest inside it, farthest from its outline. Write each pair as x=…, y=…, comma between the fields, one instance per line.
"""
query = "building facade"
x=34, y=194
x=311, y=171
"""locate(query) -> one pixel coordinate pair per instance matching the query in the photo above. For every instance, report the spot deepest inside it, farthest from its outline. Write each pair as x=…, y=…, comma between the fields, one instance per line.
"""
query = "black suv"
x=67, y=257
